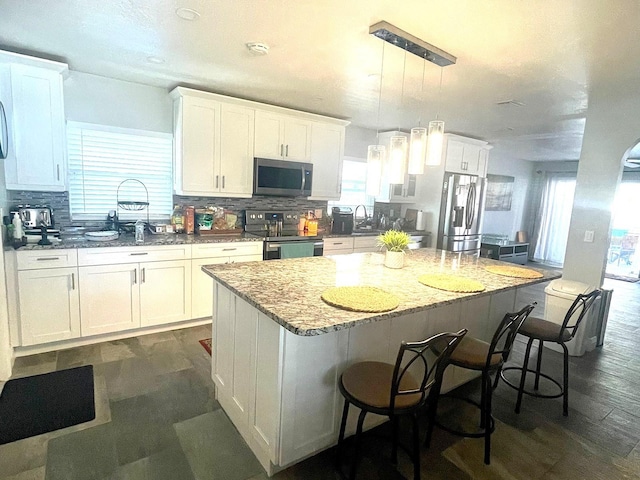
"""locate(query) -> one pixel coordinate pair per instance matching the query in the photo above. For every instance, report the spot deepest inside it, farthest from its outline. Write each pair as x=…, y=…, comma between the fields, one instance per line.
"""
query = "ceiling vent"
x=512, y=103
x=258, y=48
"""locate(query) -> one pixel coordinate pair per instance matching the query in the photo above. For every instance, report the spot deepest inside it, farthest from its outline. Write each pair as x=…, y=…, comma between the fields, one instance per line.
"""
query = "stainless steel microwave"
x=282, y=178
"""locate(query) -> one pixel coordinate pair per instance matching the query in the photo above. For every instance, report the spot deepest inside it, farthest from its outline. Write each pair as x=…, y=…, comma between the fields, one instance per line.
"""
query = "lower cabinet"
x=49, y=305
x=122, y=297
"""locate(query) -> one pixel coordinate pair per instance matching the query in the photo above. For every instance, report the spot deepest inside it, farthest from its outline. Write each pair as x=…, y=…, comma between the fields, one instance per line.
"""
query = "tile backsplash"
x=59, y=202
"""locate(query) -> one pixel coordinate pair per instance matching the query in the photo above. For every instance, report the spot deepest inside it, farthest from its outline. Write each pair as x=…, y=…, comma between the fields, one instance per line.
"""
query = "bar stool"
x=392, y=391
x=487, y=358
x=546, y=331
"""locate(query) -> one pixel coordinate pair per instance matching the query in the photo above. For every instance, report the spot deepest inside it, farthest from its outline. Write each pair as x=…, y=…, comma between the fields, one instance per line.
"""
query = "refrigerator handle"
x=471, y=203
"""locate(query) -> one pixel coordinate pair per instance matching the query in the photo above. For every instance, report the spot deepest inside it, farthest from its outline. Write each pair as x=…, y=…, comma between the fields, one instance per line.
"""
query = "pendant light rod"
x=412, y=44
x=379, y=96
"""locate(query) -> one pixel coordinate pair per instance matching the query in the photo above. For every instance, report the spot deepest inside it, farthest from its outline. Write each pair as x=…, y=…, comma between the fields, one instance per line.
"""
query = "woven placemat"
x=451, y=283
x=360, y=299
x=517, y=272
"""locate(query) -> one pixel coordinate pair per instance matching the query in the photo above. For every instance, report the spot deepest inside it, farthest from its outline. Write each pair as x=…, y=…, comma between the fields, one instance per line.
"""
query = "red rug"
x=206, y=343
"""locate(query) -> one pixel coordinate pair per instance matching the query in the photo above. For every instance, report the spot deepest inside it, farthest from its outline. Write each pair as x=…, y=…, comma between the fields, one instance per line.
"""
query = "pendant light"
x=376, y=154
x=435, y=139
x=398, y=144
x=418, y=142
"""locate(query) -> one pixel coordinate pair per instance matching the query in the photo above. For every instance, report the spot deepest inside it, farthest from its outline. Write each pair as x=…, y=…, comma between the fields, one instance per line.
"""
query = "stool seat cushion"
x=544, y=330
x=370, y=383
x=472, y=353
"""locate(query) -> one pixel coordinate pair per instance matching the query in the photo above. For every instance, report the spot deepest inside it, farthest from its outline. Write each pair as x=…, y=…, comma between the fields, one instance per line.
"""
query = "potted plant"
x=395, y=243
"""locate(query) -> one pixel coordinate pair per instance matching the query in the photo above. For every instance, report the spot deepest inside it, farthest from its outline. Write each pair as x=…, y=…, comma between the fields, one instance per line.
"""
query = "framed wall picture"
x=499, y=193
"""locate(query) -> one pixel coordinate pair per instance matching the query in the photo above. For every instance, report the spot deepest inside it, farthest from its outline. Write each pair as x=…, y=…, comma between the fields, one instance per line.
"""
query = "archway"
x=623, y=257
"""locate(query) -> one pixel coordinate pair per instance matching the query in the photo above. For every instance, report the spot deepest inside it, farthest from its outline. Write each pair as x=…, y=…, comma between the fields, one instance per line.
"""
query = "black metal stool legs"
x=487, y=420
x=343, y=425
x=565, y=399
x=416, y=447
x=523, y=377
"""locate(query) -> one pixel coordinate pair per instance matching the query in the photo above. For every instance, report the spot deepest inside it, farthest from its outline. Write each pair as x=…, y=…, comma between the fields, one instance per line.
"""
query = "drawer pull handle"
x=46, y=259
x=228, y=249
x=138, y=254
x=337, y=243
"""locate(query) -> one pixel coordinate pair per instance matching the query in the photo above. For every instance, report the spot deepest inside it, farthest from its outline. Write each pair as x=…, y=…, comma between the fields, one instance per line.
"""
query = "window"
x=354, y=182
x=102, y=157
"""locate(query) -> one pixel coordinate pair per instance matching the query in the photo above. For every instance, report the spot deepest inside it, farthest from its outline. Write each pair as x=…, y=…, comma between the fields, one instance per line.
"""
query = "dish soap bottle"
x=18, y=233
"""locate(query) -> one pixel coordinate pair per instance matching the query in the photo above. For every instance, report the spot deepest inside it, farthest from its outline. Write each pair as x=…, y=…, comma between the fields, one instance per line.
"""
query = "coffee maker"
x=341, y=221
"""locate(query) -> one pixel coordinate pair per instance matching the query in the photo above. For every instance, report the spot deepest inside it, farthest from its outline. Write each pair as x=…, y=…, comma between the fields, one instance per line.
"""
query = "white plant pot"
x=394, y=259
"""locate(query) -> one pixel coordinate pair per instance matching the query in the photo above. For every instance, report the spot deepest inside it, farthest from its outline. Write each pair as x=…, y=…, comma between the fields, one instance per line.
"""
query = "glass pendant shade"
x=375, y=160
x=397, y=159
x=417, y=151
x=435, y=141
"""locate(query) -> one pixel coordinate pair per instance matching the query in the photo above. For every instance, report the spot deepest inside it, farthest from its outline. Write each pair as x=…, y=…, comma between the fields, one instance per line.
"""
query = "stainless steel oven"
x=273, y=246
x=280, y=232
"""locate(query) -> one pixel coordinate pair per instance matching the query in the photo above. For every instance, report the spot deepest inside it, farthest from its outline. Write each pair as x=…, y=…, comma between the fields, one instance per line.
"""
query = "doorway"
x=623, y=257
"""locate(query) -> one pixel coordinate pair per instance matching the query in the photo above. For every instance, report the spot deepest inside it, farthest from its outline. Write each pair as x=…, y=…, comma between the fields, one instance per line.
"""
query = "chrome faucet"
x=355, y=214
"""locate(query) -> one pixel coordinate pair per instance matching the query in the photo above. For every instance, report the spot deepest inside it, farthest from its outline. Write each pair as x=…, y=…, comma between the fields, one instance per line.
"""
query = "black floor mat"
x=42, y=403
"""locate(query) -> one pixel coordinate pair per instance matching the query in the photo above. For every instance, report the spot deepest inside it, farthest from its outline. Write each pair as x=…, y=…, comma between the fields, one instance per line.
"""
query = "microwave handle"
x=304, y=179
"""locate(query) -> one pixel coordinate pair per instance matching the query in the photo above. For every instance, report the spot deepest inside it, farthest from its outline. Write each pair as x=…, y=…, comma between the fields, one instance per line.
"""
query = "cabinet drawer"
x=341, y=243
x=366, y=242
x=34, y=259
x=230, y=249
x=116, y=255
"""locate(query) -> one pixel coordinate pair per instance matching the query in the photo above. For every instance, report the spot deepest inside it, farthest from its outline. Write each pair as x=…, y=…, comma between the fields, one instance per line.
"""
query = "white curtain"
x=552, y=230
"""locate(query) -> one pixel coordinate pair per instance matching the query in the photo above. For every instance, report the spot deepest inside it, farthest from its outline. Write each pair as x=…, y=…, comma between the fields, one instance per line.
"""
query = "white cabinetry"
x=366, y=244
x=35, y=109
x=48, y=296
x=327, y=151
x=465, y=155
x=337, y=246
x=211, y=254
x=213, y=145
x=119, y=291
x=282, y=136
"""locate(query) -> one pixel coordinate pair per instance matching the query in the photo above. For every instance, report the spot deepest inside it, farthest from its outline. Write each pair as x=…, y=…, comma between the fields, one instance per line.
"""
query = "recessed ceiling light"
x=258, y=48
x=188, y=14
x=154, y=59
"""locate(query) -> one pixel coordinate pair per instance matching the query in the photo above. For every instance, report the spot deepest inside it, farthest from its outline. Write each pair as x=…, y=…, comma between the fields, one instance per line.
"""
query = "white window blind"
x=100, y=158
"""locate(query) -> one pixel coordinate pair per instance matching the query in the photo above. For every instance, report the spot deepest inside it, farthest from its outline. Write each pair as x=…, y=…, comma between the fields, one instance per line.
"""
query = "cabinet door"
x=49, y=305
x=471, y=159
x=327, y=149
x=165, y=292
x=269, y=133
x=297, y=139
x=199, y=155
x=454, y=157
x=483, y=162
x=38, y=130
x=202, y=286
x=109, y=298
x=236, y=150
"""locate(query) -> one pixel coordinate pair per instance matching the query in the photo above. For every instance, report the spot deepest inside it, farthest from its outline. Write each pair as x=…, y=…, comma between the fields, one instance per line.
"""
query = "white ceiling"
x=546, y=54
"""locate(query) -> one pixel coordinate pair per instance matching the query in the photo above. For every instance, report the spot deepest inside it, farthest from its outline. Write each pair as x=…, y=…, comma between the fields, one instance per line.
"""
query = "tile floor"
x=156, y=419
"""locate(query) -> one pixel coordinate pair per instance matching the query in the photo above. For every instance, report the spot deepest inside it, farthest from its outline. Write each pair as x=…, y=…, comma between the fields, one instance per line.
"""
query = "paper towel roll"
x=421, y=220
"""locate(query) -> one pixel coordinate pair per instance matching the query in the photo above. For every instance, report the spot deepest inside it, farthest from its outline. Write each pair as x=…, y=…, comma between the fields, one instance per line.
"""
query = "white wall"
x=357, y=140
x=93, y=99
x=509, y=222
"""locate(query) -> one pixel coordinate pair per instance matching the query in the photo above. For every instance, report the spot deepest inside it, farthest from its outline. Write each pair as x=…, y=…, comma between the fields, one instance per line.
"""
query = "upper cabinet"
x=32, y=93
x=465, y=155
x=217, y=138
x=282, y=136
x=213, y=146
x=327, y=151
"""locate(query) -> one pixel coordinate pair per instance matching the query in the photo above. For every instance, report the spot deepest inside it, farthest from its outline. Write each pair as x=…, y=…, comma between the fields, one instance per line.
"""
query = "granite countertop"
x=288, y=291
x=150, y=240
x=372, y=233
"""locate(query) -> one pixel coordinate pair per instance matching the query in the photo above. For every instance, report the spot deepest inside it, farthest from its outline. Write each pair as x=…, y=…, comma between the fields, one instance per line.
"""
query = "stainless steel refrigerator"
x=460, y=213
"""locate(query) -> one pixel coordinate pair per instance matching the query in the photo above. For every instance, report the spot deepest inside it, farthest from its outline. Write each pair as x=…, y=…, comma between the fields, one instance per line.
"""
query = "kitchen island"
x=278, y=349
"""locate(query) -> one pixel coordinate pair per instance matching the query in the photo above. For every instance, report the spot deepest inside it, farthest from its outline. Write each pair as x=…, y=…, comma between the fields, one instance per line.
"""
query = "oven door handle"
x=274, y=246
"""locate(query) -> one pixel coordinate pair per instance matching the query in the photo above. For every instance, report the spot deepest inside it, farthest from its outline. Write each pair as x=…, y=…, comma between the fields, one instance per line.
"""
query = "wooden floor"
x=598, y=440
